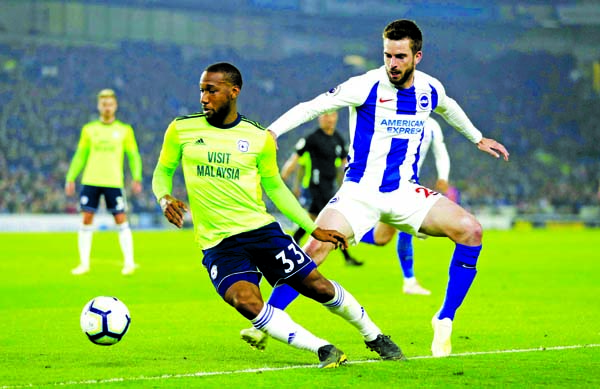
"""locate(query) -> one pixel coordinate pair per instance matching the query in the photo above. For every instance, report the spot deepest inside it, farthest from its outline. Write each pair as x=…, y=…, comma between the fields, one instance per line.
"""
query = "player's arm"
x=454, y=115
x=350, y=93
x=135, y=160
x=342, y=162
x=290, y=166
x=285, y=201
x=78, y=162
x=341, y=170
x=299, y=182
x=162, y=178
x=442, y=159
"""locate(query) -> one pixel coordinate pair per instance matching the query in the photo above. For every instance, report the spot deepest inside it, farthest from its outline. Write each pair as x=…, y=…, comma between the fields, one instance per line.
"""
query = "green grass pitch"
x=535, y=289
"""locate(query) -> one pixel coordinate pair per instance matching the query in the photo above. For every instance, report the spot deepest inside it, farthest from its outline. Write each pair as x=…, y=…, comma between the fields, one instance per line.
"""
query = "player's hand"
x=173, y=209
x=493, y=148
x=70, y=188
x=331, y=236
x=297, y=192
x=136, y=187
x=274, y=135
x=441, y=186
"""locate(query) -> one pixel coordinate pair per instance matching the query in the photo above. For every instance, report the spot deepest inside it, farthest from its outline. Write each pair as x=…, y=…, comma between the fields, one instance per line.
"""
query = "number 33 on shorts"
x=297, y=258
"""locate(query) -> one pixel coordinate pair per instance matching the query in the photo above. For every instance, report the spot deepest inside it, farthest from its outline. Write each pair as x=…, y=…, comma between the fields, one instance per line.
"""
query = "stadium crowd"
x=545, y=116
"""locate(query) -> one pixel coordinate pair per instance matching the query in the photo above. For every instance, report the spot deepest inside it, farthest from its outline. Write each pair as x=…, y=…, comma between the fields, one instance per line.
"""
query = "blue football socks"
x=461, y=275
x=404, y=248
x=282, y=296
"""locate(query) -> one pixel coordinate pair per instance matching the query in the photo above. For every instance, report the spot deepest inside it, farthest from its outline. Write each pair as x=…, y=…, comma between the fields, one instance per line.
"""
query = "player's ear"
x=418, y=57
x=235, y=91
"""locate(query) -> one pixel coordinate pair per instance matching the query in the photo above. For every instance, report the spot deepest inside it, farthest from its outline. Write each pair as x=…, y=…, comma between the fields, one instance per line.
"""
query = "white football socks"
x=280, y=326
x=345, y=305
x=126, y=241
x=84, y=243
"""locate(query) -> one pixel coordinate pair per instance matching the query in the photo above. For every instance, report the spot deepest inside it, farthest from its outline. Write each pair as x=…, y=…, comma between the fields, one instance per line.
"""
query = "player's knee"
x=317, y=250
x=88, y=218
x=471, y=230
x=246, y=302
x=120, y=218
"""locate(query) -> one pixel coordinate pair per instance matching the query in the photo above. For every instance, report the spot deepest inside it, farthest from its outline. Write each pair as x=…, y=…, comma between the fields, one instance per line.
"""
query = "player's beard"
x=217, y=116
x=405, y=77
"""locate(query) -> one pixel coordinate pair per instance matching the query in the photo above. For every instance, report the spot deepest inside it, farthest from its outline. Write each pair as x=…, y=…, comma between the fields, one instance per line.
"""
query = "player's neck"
x=108, y=120
x=231, y=120
x=231, y=117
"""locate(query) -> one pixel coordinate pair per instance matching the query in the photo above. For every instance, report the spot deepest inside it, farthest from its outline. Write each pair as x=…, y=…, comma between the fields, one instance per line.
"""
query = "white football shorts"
x=362, y=206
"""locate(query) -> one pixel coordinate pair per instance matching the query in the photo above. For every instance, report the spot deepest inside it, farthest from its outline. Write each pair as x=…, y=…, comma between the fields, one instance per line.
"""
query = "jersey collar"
x=230, y=125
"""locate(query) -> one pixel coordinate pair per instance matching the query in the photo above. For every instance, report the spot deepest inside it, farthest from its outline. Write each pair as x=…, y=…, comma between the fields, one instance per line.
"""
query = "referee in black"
x=322, y=153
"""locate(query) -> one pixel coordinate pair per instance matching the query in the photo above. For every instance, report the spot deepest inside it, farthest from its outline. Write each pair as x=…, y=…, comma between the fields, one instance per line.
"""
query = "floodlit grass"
x=537, y=288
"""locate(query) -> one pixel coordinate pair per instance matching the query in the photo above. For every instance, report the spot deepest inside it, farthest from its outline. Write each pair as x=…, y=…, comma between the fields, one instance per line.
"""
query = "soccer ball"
x=105, y=320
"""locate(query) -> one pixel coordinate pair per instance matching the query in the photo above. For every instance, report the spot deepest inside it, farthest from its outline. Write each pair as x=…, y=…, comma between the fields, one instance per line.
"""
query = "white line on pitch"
x=293, y=367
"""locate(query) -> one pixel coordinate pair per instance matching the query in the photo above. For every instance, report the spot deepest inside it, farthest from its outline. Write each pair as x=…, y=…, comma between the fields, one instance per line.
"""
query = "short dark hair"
x=232, y=74
x=403, y=28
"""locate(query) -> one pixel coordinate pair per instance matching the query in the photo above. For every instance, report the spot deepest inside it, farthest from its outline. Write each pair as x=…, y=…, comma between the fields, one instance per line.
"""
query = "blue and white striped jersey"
x=386, y=124
x=434, y=137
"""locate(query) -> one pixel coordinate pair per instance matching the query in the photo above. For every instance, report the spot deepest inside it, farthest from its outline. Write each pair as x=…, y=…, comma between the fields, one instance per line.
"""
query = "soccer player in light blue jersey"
x=388, y=108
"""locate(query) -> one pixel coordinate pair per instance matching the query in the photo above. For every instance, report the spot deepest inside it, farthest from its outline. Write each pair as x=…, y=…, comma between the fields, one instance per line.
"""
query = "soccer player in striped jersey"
x=226, y=159
x=383, y=233
x=388, y=108
x=100, y=155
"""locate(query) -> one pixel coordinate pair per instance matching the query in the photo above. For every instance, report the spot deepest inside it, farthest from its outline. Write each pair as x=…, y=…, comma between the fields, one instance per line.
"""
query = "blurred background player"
x=383, y=233
x=322, y=156
x=100, y=155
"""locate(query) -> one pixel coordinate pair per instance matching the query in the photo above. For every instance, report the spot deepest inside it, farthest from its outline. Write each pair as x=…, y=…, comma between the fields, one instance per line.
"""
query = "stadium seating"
x=48, y=92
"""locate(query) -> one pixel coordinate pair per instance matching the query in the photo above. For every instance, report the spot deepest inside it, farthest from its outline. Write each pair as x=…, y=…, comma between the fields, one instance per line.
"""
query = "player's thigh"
x=383, y=233
x=277, y=255
x=351, y=211
x=446, y=218
x=409, y=206
x=89, y=198
x=329, y=219
x=227, y=264
x=115, y=200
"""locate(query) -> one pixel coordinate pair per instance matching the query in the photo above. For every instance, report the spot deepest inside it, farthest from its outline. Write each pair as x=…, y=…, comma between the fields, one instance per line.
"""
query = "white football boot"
x=81, y=269
x=255, y=338
x=411, y=286
x=129, y=269
x=442, y=332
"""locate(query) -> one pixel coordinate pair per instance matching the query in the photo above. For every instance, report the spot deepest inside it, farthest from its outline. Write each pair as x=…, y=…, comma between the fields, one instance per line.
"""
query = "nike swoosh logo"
x=384, y=100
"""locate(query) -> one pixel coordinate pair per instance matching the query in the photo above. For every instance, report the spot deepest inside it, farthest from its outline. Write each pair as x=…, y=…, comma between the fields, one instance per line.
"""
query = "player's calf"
x=316, y=287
